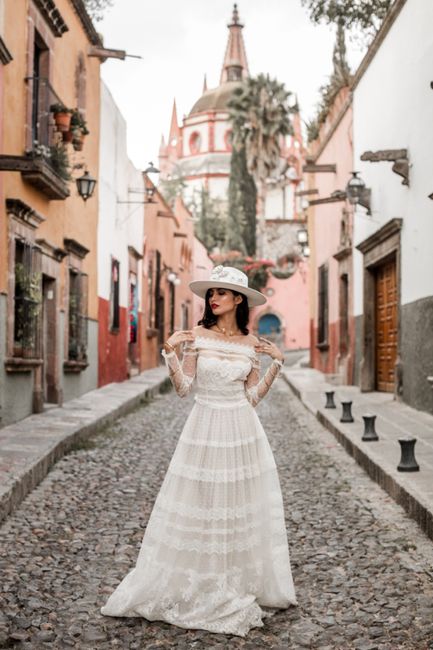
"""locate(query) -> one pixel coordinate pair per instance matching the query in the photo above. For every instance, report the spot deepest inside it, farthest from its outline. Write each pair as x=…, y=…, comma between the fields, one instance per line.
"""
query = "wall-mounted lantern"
x=356, y=192
x=152, y=174
x=85, y=185
x=302, y=237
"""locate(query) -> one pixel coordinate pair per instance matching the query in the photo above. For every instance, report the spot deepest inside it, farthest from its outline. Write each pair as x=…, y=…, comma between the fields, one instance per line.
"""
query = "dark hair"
x=242, y=313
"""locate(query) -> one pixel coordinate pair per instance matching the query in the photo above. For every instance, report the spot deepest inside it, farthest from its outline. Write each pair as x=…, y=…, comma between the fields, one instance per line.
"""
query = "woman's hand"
x=267, y=347
x=179, y=337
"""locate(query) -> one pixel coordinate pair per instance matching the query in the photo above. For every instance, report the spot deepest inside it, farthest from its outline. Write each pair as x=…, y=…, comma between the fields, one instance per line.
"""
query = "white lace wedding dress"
x=215, y=548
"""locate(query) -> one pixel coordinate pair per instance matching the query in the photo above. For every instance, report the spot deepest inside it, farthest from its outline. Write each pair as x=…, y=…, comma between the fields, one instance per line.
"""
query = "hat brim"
x=199, y=287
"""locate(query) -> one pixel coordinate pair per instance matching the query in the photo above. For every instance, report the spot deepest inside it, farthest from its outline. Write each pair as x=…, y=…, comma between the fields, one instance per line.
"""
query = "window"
x=322, y=332
x=77, y=324
x=195, y=142
x=27, y=300
x=228, y=140
x=344, y=313
x=114, y=297
x=133, y=308
x=150, y=293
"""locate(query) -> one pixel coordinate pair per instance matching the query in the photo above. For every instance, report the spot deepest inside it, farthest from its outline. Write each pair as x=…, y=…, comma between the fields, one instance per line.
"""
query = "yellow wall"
x=70, y=218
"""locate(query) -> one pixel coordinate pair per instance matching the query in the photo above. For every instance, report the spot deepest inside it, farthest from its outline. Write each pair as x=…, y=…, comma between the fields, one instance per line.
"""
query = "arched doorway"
x=270, y=326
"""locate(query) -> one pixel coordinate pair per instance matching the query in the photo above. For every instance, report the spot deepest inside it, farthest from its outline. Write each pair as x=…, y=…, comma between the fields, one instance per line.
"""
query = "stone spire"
x=204, y=84
x=174, y=126
x=235, y=66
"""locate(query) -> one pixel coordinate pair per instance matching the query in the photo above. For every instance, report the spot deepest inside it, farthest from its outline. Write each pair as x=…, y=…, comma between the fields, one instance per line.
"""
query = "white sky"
x=181, y=40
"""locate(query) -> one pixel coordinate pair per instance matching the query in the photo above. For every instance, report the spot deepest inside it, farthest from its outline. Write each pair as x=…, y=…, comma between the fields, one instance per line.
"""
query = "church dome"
x=215, y=99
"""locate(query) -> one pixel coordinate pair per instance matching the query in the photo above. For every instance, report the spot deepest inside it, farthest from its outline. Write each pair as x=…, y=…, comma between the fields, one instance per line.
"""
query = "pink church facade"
x=198, y=151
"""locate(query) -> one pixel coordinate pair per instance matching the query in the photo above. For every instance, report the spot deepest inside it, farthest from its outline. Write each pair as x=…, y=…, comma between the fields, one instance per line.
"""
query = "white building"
x=393, y=151
x=120, y=247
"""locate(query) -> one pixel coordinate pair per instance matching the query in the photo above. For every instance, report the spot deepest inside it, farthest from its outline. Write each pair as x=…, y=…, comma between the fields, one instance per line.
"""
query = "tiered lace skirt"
x=215, y=548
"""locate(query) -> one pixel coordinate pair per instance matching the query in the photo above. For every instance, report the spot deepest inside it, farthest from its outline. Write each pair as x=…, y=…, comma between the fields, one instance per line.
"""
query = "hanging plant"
x=62, y=117
x=60, y=161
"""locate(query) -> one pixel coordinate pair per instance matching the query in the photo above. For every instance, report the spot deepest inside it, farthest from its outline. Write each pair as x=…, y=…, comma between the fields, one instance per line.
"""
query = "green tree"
x=209, y=221
x=171, y=188
x=96, y=8
x=366, y=15
x=260, y=114
x=242, y=195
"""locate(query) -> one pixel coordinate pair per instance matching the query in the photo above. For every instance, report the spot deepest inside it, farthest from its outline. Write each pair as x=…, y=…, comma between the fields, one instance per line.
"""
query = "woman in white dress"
x=215, y=548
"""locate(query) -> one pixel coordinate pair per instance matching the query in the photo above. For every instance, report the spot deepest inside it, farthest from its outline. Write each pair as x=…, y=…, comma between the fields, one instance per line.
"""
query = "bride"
x=215, y=548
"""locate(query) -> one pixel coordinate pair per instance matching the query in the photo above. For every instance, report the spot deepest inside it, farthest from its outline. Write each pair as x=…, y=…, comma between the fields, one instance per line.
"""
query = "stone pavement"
x=363, y=570
x=30, y=447
x=412, y=490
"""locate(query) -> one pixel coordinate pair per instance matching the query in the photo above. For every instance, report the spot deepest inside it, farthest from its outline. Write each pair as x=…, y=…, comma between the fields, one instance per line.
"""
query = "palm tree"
x=260, y=115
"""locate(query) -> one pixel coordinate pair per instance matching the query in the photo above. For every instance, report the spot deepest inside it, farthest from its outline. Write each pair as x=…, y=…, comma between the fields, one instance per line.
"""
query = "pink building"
x=286, y=312
x=202, y=266
x=330, y=233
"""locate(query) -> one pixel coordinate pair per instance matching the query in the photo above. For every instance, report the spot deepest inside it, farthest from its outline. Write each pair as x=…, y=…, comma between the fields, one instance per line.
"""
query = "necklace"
x=224, y=331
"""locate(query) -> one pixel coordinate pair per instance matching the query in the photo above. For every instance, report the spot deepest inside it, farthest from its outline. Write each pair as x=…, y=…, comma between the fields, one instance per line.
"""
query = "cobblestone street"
x=362, y=569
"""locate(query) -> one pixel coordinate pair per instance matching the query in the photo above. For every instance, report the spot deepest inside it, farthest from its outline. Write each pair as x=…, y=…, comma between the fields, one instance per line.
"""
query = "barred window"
x=344, y=313
x=114, y=296
x=27, y=300
x=77, y=331
x=322, y=333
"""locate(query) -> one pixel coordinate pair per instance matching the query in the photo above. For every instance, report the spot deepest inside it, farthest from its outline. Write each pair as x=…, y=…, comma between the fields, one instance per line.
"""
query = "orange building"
x=167, y=270
x=48, y=234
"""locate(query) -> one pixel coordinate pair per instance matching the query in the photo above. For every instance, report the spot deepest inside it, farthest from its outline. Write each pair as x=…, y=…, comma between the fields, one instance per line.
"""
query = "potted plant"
x=79, y=130
x=59, y=161
x=62, y=117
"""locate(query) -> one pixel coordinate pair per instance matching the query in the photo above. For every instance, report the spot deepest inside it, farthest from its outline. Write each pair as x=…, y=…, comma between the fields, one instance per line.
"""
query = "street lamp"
x=85, y=185
x=302, y=236
x=356, y=192
x=152, y=174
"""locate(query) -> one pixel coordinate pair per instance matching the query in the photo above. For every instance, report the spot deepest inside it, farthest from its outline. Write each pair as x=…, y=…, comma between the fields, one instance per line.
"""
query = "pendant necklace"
x=224, y=331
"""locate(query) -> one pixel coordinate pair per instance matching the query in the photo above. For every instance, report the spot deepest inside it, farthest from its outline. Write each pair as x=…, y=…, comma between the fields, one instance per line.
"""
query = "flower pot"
x=78, y=143
x=67, y=136
x=63, y=121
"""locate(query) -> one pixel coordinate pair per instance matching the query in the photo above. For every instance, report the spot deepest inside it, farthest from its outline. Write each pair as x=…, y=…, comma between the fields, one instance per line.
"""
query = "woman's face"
x=222, y=301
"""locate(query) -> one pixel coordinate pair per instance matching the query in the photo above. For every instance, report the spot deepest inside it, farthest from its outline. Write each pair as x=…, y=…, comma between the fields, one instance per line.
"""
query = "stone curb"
x=410, y=501
x=35, y=444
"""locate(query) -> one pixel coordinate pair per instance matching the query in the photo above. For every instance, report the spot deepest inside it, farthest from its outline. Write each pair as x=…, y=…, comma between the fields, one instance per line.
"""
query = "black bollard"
x=330, y=404
x=347, y=412
x=369, y=430
x=407, y=461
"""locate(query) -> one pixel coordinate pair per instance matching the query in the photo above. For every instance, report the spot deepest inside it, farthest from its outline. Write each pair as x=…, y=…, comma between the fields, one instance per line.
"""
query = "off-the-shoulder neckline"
x=224, y=342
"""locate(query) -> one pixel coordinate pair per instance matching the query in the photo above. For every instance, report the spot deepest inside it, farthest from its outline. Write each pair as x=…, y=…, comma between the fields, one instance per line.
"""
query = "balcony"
x=45, y=165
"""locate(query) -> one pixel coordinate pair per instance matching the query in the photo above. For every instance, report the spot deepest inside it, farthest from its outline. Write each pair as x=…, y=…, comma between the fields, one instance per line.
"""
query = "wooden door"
x=386, y=325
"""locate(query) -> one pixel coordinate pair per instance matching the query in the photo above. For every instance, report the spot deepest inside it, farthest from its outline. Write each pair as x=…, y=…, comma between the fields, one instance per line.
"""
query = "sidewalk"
x=412, y=490
x=31, y=446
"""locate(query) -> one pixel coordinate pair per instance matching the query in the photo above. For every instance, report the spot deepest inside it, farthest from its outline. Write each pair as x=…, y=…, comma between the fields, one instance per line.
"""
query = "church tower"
x=199, y=150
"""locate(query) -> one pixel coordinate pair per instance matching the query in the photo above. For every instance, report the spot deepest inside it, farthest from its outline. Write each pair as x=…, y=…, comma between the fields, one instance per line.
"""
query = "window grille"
x=78, y=301
x=114, y=296
x=322, y=334
x=27, y=300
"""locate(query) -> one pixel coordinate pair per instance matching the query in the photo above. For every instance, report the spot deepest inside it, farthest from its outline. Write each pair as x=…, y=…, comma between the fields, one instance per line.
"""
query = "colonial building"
x=49, y=137
x=372, y=294
x=167, y=269
x=199, y=152
x=120, y=250
x=332, y=331
x=394, y=291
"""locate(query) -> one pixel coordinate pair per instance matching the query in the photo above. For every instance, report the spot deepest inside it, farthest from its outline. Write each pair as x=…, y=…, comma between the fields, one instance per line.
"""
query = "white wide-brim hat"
x=228, y=277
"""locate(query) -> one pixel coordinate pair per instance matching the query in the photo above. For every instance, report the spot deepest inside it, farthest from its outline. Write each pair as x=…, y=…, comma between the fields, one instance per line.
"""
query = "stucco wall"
x=394, y=99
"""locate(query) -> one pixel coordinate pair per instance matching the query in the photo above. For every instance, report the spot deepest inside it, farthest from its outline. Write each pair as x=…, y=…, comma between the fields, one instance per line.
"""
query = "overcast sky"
x=181, y=40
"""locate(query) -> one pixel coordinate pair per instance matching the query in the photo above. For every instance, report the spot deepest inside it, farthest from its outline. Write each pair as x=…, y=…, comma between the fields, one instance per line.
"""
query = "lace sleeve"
x=182, y=374
x=256, y=388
